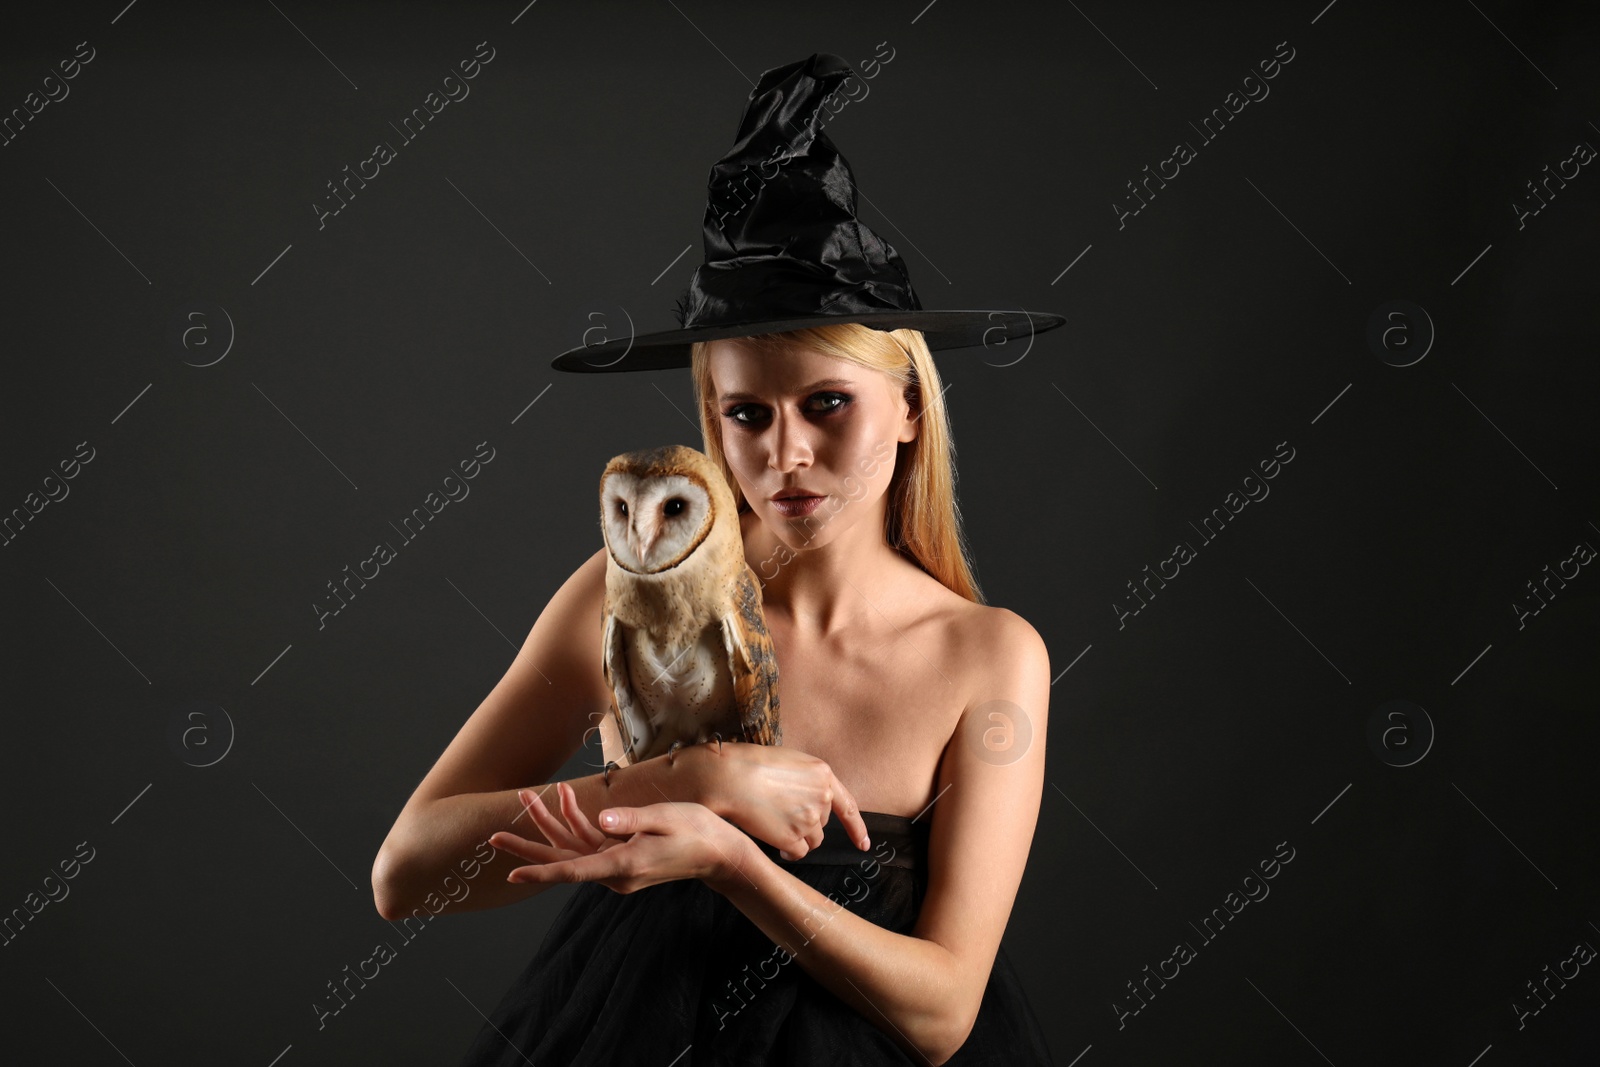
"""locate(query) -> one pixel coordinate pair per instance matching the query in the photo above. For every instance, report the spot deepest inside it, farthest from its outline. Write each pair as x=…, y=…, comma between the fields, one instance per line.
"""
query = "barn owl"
x=685, y=647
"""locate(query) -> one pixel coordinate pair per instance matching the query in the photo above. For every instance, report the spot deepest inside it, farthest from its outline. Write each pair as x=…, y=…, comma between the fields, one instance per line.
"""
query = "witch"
x=839, y=898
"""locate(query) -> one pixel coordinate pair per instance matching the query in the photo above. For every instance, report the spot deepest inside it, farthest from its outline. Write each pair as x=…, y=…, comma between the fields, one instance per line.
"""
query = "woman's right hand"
x=779, y=795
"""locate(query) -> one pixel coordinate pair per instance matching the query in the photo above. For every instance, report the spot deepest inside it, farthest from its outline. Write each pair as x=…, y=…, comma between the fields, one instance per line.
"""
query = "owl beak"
x=654, y=531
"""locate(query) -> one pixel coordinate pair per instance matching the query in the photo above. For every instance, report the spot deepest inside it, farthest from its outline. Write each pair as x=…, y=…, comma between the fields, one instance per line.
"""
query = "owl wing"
x=632, y=722
x=752, y=663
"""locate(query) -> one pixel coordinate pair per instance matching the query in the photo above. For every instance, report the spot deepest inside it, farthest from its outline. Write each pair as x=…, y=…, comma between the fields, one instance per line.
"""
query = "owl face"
x=652, y=522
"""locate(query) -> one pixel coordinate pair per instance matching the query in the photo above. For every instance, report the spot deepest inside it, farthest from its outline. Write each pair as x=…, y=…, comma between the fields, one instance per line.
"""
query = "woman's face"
x=804, y=421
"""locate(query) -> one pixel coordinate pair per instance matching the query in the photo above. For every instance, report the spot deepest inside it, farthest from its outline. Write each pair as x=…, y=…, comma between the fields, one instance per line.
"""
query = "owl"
x=685, y=647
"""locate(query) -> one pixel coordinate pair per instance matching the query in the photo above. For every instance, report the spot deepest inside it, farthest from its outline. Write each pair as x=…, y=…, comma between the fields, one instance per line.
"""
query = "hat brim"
x=668, y=349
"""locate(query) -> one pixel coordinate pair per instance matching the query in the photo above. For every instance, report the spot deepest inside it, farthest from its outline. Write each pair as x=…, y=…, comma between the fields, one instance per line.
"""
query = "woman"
x=910, y=710
x=839, y=898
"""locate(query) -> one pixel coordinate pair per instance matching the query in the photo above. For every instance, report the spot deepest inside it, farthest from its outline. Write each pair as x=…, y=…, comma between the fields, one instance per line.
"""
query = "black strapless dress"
x=675, y=975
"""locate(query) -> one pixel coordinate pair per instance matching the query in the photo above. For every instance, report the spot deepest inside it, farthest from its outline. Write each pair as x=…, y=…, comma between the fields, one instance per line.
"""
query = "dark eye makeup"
x=838, y=402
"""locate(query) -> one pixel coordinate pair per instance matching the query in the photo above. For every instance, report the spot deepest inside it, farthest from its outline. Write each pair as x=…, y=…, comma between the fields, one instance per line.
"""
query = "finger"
x=582, y=828
x=545, y=820
x=589, y=868
x=521, y=847
x=541, y=872
x=849, y=812
x=652, y=818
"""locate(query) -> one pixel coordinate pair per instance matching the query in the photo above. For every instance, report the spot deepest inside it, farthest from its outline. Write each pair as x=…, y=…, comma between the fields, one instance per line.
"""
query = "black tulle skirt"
x=675, y=975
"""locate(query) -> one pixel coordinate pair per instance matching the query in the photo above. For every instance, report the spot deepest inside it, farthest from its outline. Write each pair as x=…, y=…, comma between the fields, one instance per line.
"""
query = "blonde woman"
x=838, y=899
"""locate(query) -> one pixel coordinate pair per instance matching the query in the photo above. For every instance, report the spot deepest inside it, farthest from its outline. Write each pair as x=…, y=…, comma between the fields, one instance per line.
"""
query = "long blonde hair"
x=922, y=520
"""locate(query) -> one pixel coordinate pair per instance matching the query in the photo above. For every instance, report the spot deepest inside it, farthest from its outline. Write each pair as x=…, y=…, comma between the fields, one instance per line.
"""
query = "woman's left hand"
x=647, y=845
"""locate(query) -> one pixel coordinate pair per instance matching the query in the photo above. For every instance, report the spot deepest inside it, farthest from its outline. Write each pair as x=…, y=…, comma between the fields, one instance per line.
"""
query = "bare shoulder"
x=1001, y=630
x=992, y=644
x=592, y=576
x=985, y=629
x=1005, y=653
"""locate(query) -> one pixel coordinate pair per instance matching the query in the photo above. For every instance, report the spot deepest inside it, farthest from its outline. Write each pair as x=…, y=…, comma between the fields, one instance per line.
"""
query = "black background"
x=370, y=356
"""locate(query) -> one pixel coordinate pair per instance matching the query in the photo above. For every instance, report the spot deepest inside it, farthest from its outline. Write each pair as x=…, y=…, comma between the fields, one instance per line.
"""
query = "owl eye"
x=622, y=508
x=674, y=506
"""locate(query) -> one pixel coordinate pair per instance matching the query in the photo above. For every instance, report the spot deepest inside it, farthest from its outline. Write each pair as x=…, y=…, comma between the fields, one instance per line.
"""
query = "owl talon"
x=716, y=734
x=606, y=775
x=673, y=750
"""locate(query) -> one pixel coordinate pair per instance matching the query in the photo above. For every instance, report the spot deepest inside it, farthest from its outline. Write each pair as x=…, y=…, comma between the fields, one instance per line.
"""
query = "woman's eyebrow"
x=809, y=388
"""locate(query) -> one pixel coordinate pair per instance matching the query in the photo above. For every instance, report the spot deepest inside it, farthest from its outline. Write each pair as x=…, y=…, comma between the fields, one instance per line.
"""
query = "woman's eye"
x=841, y=398
x=831, y=402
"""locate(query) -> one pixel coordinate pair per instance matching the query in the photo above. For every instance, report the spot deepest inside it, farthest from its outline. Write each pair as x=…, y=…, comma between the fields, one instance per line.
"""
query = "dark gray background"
x=1230, y=315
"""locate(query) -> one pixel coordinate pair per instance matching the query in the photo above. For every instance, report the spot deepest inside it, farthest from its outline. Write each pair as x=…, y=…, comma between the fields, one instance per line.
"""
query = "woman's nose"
x=790, y=444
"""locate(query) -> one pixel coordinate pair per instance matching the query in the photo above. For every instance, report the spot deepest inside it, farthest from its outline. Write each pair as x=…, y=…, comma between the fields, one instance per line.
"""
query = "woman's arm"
x=521, y=735
x=442, y=834
x=436, y=855
x=924, y=990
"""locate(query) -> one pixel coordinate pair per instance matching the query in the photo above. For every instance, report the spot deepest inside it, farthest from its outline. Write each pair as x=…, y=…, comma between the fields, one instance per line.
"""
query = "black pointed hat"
x=784, y=248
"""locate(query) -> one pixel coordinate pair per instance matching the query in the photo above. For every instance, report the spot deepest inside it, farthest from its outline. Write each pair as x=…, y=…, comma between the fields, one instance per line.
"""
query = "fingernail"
x=608, y=818
x=866, y=843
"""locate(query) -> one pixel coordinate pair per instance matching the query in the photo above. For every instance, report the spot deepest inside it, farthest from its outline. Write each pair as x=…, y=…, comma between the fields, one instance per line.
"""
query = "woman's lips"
x=795, y=507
